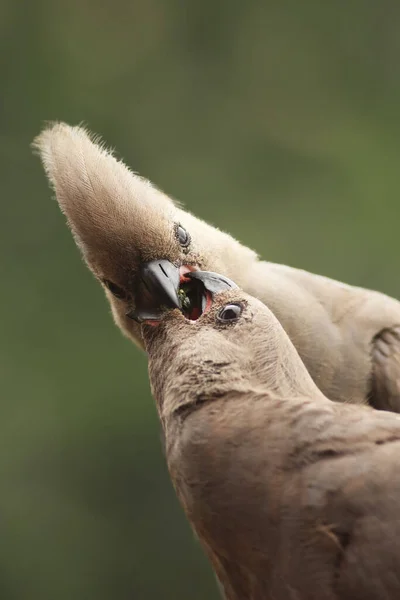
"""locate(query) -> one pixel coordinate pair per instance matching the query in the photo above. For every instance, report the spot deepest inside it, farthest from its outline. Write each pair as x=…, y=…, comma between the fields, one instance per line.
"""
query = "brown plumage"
x=292, y=496
x=121, y=222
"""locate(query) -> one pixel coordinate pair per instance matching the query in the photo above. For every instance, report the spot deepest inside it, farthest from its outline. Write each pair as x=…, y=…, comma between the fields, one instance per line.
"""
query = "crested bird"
x=139, y=244
x=292, y=496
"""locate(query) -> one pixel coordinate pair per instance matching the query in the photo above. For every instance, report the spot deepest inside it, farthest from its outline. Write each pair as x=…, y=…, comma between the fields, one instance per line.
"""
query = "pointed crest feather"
x=101, y=197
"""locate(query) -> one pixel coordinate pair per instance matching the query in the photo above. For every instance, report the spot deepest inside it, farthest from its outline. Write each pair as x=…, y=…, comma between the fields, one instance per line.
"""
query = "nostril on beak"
x=163, y=270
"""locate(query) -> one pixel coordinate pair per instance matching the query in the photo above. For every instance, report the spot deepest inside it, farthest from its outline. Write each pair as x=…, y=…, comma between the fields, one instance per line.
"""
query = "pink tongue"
x=186, y=269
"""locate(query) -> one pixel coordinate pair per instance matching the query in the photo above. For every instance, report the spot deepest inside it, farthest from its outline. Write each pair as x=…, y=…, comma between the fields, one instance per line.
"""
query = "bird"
x=139, y=243
x=292, y=496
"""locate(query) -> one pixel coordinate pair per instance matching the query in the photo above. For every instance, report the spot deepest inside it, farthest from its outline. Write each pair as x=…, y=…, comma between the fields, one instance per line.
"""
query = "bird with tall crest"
x=139, y=244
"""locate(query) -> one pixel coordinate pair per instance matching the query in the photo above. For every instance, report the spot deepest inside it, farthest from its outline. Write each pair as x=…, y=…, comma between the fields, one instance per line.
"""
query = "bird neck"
x=197, y=383
x=277, y=368
x=185, y=371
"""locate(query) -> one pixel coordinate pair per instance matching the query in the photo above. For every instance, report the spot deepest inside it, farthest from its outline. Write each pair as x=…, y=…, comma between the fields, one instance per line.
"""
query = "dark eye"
x=230, y=313
x=115, y=289
x=183, y=236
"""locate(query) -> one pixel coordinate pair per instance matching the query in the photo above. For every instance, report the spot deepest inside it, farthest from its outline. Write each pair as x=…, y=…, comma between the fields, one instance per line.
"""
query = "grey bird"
x=292, y=496
x=139, y=244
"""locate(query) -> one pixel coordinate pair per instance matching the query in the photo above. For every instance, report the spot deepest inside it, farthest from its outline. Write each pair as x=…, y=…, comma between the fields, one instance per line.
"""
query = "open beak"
x=162, y=286
x=159, y=285
x=199, y=289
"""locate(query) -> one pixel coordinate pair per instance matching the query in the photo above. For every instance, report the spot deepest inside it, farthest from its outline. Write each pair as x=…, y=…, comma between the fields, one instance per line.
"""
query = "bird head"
x=135, y=239
x=234, y=343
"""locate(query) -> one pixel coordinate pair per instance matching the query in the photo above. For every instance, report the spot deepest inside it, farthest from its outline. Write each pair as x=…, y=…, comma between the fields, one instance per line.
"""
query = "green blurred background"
x=278, y=121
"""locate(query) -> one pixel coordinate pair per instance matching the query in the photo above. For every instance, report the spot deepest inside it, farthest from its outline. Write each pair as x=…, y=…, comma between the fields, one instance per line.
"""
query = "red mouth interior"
x=199, y=299
x=196, y=300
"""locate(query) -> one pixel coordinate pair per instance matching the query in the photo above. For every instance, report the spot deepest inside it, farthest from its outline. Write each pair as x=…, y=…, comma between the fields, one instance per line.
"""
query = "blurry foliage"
x=277, y=121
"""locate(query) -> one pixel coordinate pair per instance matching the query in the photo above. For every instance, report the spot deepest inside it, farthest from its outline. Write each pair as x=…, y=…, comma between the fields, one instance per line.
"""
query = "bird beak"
x=159, y=287
x=200, y=288
x=159, y=280
x=213, y=282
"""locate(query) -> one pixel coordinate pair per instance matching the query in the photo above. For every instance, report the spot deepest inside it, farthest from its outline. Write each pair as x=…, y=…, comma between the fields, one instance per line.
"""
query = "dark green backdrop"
x=278, y=121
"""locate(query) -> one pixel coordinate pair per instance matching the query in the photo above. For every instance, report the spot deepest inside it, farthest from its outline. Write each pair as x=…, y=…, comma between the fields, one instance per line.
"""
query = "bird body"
x=334, y=326
x=347, y=337
x=293, y=496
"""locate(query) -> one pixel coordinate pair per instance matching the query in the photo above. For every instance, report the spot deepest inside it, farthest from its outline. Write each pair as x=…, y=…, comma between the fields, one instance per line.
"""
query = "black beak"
x=213, y=282
x=159, y=280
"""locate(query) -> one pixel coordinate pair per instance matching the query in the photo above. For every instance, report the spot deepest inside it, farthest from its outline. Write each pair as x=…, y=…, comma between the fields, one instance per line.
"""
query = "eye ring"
x=116, y=291
x=230, y=313
x=182, y=235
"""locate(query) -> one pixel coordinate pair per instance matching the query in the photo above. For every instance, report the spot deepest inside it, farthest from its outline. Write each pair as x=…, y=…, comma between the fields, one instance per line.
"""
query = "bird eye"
x=230, y=313
x=183, y=236
x=115, y=289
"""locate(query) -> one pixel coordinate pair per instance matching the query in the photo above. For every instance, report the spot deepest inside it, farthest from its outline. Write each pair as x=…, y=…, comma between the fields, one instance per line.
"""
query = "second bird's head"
x=234, y=344
x=138, y=243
